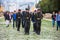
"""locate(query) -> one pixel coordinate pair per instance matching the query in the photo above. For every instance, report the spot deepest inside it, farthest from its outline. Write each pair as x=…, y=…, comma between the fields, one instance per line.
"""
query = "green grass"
x=47, y=32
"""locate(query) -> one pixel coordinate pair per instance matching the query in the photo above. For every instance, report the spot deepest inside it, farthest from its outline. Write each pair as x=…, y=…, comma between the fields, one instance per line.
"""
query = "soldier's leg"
x=25, y=27
x=28, y=27
x=22, y=24
x=57, y=25
x=26, y=30
x=18, y=28
x=39, y=28
x=35, y=27
x=16, y=23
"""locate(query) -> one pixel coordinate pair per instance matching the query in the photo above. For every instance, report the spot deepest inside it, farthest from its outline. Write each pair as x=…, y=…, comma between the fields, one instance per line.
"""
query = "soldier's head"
x=27, y=10
x=39, y=10
x=19, y=10
x=14, y=11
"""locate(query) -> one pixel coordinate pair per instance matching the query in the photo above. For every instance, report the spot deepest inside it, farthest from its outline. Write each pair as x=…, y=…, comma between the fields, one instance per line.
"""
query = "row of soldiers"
x=26, y=17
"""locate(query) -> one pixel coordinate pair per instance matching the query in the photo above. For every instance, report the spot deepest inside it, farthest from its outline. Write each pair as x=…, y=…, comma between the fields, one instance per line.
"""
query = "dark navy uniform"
x=18, y=19
x=23, y=19
x=38, y=21
x=27, y=22
x=34, y=21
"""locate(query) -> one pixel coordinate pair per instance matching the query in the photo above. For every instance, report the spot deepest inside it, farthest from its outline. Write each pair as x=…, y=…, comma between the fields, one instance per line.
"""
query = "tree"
x=49, y=5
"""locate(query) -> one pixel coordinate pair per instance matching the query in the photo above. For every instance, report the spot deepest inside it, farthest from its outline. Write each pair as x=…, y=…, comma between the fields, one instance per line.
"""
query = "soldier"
x=23, y=19
x=34, y=20
x=39, y=16
x=18, y=19
x=27, y=21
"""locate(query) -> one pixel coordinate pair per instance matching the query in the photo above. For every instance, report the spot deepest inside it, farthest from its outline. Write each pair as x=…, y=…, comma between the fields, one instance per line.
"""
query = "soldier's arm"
x=16, y=17
x=41, y=16
x=21, y=16
x=31, y=16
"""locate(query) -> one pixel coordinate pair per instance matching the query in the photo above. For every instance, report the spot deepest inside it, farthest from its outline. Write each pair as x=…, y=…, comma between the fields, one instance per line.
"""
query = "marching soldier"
x=23, y=19
x=39, y=16
x=27, y=22
x=18, y=19
x=34, y=21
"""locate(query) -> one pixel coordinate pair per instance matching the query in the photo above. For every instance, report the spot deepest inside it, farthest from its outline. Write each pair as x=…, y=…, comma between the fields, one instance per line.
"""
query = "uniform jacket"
x=27, y=17
x=38, y=16
x=18, y=16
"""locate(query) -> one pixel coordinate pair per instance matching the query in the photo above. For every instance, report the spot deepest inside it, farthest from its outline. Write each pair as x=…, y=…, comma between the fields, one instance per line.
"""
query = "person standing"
x=18, y=19
x=7, y=18
x=53, y=18
x=10, y=16
x=27, y=21
x=58, y=19
x=39, y=16
x=14, y=19
x=34, y=20
x=23, y=19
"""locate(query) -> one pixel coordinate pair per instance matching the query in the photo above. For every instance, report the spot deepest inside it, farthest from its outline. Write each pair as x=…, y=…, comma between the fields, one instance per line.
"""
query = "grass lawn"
x=47, y=32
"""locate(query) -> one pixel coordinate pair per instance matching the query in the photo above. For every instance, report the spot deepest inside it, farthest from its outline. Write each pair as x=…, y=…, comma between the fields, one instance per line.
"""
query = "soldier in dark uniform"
x=18, y=19
x=39, y=16
x=27, y=22
x=23, y=19
x=34, y=21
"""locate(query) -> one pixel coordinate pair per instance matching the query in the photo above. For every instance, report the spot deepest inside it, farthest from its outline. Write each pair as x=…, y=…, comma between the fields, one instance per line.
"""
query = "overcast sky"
x=19, y=2
x=23, y=0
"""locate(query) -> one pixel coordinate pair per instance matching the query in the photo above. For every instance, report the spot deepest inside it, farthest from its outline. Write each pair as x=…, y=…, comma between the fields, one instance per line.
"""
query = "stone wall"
x=47, y=15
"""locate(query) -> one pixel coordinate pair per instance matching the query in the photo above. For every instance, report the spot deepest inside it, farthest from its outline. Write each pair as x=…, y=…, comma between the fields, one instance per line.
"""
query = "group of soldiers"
x=26, y=17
